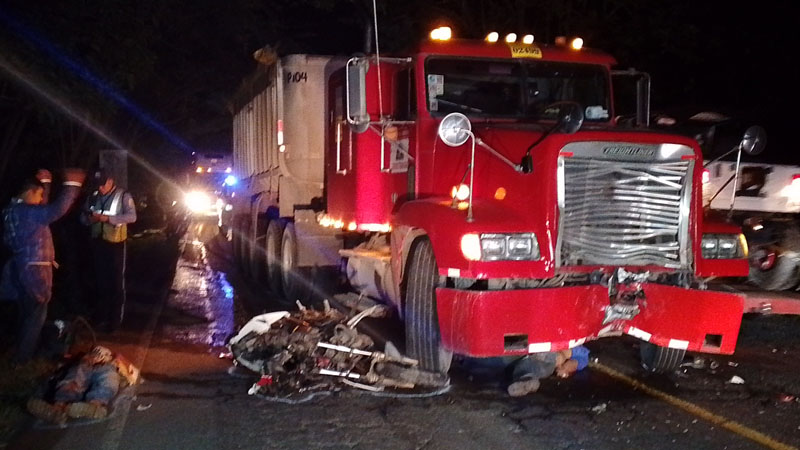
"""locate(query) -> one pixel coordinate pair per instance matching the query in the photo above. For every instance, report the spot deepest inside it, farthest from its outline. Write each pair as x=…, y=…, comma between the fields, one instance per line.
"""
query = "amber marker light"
x=527, y=39
x=199, y=170
x=471, y=246
x=500, y=193
x=511, y=38
x=492, y=37
x=576, y=43
x=441, y=34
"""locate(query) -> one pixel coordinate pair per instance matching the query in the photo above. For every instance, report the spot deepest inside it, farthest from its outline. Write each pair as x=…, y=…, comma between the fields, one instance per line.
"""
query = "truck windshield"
x=514, y=89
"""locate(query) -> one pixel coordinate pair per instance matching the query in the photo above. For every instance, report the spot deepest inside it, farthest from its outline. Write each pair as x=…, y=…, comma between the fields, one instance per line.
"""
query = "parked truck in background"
x=487, y=191
x=762, y=197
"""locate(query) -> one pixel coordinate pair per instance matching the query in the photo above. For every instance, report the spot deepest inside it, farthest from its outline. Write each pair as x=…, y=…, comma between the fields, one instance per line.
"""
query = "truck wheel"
x=257, y=258
x=272, y=250
x=244, y=246
x=777, y=268
x=659, y=359
x=423, y=339
x=295, y=285
x=237, y=240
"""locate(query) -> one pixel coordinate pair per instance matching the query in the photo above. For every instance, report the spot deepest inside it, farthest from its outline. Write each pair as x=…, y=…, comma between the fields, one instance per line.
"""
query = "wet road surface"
x=176, y=329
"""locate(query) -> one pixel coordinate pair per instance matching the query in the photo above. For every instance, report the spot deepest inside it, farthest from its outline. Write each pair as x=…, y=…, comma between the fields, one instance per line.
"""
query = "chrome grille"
x=622, y=212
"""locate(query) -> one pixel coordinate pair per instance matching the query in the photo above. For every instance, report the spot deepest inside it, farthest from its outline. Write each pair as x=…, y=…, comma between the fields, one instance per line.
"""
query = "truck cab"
x=488, y=192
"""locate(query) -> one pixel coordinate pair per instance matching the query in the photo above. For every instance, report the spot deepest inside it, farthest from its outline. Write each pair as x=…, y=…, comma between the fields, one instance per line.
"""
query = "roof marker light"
x=576, y=43
x=511, y=38
x=527, y=39
x=441, y=34
x=492, y=37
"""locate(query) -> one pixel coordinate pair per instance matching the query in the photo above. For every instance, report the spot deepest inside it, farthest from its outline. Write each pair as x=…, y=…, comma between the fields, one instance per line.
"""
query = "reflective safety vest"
x=109, y=205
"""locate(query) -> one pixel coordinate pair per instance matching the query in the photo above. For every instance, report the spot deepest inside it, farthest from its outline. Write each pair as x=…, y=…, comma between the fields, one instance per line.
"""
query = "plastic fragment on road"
x=599, y=409
x=144, y=407
x=736, y=380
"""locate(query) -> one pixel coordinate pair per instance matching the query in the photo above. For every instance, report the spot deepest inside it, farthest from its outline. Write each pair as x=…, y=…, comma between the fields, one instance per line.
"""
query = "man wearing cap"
x=107, y=212
x=28, y=275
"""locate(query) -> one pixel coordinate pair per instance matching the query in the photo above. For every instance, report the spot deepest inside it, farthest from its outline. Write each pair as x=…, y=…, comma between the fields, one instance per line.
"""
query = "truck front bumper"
x=516, y=322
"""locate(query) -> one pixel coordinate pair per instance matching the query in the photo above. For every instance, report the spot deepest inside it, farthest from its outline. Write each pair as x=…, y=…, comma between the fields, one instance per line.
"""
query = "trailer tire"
x=257, y=257
x=423, y=337
x=244, y=246
x=784, y=272
x=295, y=285
x=237, y=241
x=658, y=359
x=272, y=254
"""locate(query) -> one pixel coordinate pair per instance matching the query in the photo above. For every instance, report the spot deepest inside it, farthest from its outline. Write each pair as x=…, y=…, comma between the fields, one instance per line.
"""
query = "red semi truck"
x=488, y=192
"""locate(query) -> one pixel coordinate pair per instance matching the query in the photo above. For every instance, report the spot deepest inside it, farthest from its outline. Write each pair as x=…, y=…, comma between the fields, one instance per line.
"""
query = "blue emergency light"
x=231, y=180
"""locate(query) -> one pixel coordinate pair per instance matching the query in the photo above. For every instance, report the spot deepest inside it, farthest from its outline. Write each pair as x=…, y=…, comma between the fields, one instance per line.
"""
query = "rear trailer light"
x=723, y=246
x=500, y=247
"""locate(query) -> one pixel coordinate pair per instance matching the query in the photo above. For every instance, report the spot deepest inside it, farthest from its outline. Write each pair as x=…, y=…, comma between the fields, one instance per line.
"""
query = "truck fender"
x=402, y=238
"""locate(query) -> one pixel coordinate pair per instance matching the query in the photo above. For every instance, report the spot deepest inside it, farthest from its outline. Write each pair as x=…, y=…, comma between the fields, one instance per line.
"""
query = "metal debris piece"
x=144, y=407
x=736, y=380
x=696, y=363
x=733, y=364
x=714, y=365
x=310, y=350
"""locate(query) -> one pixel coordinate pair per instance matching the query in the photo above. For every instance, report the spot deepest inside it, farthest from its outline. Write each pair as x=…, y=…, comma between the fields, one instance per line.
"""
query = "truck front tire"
x=423, y=338
x=659, y=359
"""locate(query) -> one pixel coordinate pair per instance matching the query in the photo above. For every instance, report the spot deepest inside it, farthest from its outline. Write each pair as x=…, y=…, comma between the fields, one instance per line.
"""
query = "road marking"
x=695, y=410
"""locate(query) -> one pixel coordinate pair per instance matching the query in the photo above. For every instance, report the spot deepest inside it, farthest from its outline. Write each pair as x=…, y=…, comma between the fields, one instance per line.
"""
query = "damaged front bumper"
x=516, y=322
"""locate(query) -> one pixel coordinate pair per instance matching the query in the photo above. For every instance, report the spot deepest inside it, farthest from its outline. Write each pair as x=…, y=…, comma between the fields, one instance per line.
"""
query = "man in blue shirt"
x=28, y=274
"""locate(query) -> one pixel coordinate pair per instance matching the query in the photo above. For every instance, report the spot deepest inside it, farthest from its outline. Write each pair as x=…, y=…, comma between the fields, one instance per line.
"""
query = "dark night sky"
x=179, y=61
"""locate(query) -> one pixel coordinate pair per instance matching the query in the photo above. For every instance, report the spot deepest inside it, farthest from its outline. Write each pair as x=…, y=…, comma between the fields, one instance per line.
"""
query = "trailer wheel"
x=238, y=238
x=777, y=268
x=244, y=245
x=423, y=338
x=272, y=250
x=658, y=359
x=257, y=258
x=295, y=285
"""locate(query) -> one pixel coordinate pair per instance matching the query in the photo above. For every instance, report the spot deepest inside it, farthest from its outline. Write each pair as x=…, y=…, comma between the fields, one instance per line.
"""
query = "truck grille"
x=617, y=212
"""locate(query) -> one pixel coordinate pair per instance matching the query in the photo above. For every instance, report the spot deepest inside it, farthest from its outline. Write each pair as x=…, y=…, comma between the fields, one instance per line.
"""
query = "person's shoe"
x=46, y=411
x=523, y=387
x=84, y=410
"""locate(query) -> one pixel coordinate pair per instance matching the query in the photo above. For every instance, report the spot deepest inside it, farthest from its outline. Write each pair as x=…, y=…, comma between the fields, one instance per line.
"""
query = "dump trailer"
x=487, y=192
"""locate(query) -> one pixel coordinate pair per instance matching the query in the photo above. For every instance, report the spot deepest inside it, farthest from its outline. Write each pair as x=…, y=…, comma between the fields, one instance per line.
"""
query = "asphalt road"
x=190, y=399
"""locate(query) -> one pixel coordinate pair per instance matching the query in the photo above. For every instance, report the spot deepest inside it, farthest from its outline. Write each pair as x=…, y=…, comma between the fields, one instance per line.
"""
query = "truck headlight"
x=501, y=247
x=723, y=246
x=198, y=201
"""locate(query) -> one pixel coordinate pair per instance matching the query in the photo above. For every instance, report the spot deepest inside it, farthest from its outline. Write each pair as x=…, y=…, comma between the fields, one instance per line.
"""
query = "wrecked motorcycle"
x=312, y=350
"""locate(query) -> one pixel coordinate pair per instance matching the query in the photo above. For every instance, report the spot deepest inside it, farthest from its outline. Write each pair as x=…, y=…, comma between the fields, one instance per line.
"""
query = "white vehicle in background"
x=764, y=199
x=210, y=180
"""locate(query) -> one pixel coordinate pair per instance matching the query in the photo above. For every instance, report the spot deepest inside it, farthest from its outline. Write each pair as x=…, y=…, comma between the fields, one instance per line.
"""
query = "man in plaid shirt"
x=28, y=275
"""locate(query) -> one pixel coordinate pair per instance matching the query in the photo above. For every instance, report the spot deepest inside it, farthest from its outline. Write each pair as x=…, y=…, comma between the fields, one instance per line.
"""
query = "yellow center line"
x=695, y=410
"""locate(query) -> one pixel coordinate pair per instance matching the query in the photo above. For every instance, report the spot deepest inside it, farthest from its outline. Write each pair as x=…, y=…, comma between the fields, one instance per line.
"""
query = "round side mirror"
x=754, y=140
x=570, y=117
x=454, y=129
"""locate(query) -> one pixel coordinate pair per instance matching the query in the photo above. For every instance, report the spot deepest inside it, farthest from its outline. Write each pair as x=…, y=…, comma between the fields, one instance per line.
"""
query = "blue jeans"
x=88, y=383
x=32, y=315
x=535, y=365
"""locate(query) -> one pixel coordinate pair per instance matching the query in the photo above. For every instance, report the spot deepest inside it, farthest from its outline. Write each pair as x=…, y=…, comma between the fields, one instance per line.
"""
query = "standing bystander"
x=28, y=274
x=107, y=212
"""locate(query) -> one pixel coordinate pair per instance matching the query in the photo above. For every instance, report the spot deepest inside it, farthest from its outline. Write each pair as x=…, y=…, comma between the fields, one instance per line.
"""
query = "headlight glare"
x=723, y=246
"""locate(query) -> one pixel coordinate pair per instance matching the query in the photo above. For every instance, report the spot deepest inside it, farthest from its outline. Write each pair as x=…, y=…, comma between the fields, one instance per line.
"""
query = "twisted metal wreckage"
x=310, y=351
